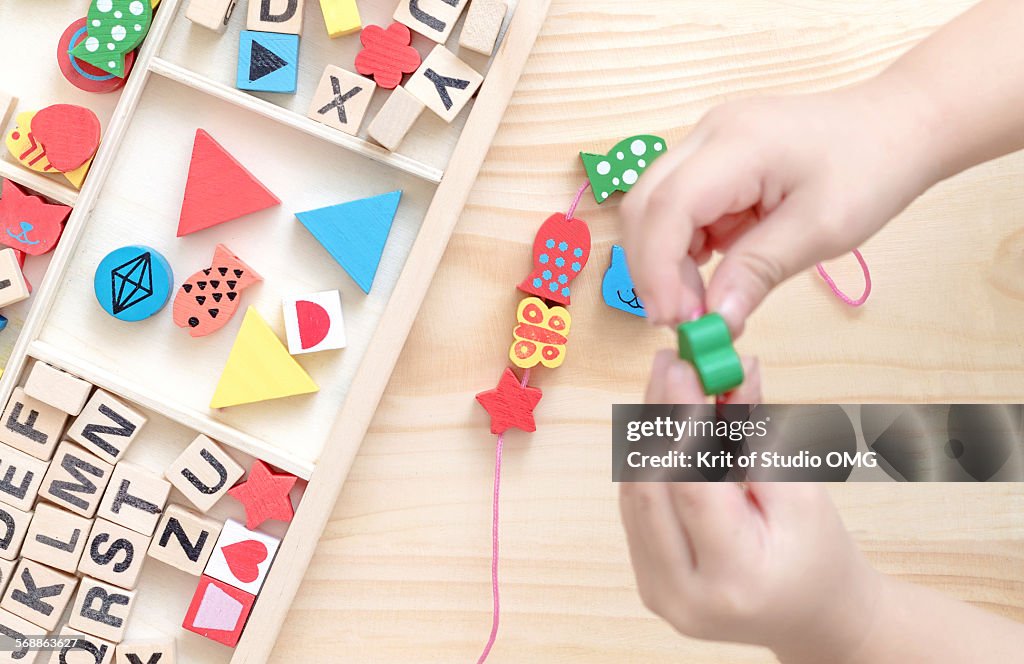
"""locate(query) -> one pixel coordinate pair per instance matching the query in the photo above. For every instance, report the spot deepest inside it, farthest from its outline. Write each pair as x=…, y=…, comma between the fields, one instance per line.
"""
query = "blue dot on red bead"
x=563, y=246
x=576, y=267
x=550, y=244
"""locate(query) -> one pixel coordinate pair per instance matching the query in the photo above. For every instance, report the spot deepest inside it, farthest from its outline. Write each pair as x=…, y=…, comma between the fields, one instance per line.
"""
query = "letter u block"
x=204, y=473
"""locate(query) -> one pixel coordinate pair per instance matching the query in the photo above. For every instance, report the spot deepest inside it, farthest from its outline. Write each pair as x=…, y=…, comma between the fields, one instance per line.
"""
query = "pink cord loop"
x=840, y=294
x=576, y=200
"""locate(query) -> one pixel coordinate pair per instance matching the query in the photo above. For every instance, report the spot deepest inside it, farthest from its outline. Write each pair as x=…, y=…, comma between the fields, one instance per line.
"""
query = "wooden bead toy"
x=259, y=368
x=133, y=283
x=314, y=322
x=540, y=335
x=38, y=594
x=81, y=74
x=106, y=426
x=184, y=540
x=561, y=250
x=21, y=476
x=210, y=14
x=56, y=538
x=57, y=388
x=395, y=118
x=444, y=83
x=265, y=495
x=101, y=609
x=76, y=480
x=28, y=144
x=17, y=628
x=218, y=611
x=31, y=426
x=69, y=134
x=387, y=55
x=622, y=166
x=341, y=99
x=284, y=16
x=153, y=651
x=114, y=554
x=242, y=557
x=79, y=648
x=218, y=188
x=431, y=18
x=13, y=529
x=203, y=473
x=617, y=288
x=510, y=405
x=209, y=299
x=114, y=28
x=355, y=233
x=341, y=17
x=267, y=62
x=483, y=23
x=134, y=498
x=27, y=223
x=707, y=345
x=13, y=287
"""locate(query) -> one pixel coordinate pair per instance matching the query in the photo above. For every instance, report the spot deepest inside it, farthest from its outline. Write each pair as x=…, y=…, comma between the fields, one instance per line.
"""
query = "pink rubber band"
x=576, y=201
x=840, y=294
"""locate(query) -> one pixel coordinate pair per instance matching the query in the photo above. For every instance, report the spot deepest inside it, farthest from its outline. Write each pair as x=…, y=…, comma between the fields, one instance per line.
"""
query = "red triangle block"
x=219, y=188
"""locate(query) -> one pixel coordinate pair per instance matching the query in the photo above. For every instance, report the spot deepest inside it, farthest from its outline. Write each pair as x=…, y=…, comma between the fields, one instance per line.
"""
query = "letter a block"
x=106, y=426
x=20, y=478
x=444, y=83
x=31, y=426
x=341, y=99
x=204, y=473
x=38, y=594
x=135, y=498
x=114, y=554
x=76, y=480
x=101, y=609
x=185, y=540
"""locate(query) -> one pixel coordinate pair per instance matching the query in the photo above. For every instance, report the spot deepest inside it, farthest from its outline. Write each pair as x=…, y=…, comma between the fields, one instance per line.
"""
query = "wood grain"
x=403, y=568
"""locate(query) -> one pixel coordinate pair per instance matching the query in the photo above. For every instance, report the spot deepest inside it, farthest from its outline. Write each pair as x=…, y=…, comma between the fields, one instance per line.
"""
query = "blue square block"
x=267, y=62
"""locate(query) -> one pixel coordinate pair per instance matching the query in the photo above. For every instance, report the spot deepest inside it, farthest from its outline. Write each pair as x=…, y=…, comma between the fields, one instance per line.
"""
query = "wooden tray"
x=183, y=79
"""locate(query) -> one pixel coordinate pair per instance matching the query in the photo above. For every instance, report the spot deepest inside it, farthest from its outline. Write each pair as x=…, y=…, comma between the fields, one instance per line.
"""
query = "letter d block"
x=76, y=480
x=283, y=16
x=106, y=426
x=204, y=473
x=20, y=478
x=13, y=527
x=38, y=594
x=31, y=426
x=101, y=610
x=185, y=540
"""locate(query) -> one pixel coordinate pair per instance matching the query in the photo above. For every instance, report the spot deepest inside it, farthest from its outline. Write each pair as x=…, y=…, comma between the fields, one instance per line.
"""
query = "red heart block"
x=244, y=559
x=70, y=135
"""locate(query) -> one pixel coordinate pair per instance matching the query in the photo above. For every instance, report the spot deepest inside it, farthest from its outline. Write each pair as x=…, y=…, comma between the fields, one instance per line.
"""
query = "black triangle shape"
x=263, y=61
x=217, y=296
x=232, y=284
x=215, y=283
x=222, y=270
x=187, y=288
x=206, y=271
x=200, y=299
x=232, y=296
x=214, y=312
x=238, y=273
x=201, y=284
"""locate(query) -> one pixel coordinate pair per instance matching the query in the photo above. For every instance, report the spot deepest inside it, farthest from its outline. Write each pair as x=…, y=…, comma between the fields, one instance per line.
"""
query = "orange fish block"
x=207, y=301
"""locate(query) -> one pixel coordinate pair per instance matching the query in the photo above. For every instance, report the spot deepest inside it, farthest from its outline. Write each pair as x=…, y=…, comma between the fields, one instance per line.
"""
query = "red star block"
x=510, y=404
x=27, y=223
x=265, y=495
x=386, y=54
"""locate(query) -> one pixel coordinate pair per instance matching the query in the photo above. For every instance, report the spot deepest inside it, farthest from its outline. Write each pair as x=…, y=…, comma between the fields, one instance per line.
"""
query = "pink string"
x=496, y=611
x=576, y=201
x=840, y=294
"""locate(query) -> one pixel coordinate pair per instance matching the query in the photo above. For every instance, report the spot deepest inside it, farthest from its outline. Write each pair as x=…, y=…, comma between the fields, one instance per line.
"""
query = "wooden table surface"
x=403, y=572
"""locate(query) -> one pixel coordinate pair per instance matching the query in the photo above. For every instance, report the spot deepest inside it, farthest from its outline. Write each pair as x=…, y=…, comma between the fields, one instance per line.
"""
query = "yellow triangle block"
x=259, y=368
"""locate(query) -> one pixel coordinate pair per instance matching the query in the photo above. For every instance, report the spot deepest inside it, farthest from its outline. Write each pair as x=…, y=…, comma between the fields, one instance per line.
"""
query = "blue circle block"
x=133, y=283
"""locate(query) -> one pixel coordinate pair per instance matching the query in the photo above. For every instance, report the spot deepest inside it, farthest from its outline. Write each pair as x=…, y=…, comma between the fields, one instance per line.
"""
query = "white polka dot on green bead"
x=96, y=24
x=91, y=44
x=638, y=147
x=118, y=33
x=138, y=28
x=604, y=168
x=620, y=156
x=136, y=8
x=118, y=14
x=658, y=147
x=630, y=176
x=104, y=5
x=112, y=64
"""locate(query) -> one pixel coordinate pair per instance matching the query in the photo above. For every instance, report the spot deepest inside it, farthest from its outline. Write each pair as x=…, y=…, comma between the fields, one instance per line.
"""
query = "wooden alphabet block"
x=114, y=554
x=341, y=99
x=135, y=498
x=13, y=528
x=56, y=538
x=106, y=426
x=156, y=651
x=57, y=388
x=395, y=118
x=218, y=611
x=31, y=426
x=76, y=480
x=185, y=540
x=101, y=609
x=204, y=473
x=483, y=23
x=341, y=17
x=265, y=495
x=28, y=223
x=242, y=557
x=210, y=14
x=314, y=322
x=38, y=593
x=13, y=287
x=431, y=18
x=444, y=83
x=17, y=629
x=209, y=299
x=6, y=571
x=267, y=62
x=87, y=649
x=386, y=54
x=21, y=476
x=284, y=16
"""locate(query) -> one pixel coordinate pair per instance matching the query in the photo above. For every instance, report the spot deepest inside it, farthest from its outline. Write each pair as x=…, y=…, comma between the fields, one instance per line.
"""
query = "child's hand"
x=776, y=185
x=767, y=564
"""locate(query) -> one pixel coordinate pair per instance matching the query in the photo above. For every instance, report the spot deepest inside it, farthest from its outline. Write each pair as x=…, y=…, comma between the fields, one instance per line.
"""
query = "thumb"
x=775, y=249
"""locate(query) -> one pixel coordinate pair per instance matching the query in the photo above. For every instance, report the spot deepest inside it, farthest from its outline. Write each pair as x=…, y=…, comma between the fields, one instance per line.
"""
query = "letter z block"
x=185, y=540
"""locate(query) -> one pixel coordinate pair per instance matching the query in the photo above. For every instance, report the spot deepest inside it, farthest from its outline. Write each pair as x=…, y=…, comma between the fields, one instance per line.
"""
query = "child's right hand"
x=776, y=185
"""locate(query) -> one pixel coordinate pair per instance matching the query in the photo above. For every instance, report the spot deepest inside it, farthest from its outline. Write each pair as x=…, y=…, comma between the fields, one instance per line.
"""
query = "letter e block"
x=31, y=426
x=135, y=498
x=106, y=426
x=20, y=478
x=185, y=540
x=204, y=473
x=76, y=480
x=444, y=83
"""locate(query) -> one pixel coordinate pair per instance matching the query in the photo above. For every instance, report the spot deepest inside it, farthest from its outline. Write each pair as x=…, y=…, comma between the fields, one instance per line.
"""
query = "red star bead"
x=265, y=495
x=27, y=223
x=510, y=404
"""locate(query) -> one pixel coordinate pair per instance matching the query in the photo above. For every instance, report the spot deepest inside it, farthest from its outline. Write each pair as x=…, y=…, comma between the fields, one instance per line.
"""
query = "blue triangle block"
x=267, y=62
x=354, y=233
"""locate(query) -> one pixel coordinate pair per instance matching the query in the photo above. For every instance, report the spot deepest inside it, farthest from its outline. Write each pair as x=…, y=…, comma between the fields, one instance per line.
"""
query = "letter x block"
x=707, y=345
x=341, y=99
x=444, y=83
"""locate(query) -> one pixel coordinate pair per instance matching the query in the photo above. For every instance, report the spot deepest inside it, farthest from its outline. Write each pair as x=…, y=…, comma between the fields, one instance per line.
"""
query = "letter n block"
x=185, y=540
x=101, y=609
x=38, y=594
x=76, y=480
x=31, y=426
x=204, y=473
x=106, y=426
